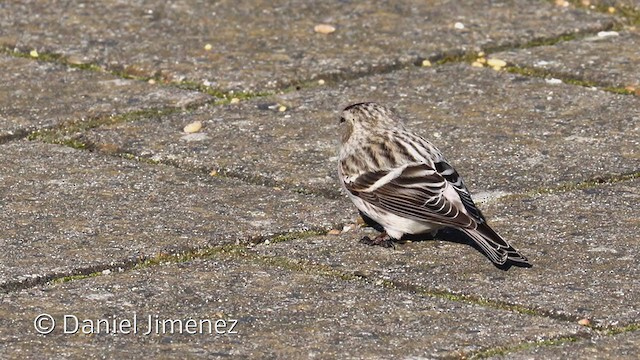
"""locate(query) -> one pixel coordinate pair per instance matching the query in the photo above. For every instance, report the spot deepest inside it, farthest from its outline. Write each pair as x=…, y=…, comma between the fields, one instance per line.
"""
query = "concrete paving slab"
x=581, y=244
x=503, y=132
x=279, y=313
x=64, y=209
x=624, y=347
x=35, y=95
x=251, y=45
x=616, y=4
x=609, y=59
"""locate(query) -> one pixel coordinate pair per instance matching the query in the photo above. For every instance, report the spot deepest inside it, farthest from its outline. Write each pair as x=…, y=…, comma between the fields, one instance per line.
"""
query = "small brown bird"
x=402, y=184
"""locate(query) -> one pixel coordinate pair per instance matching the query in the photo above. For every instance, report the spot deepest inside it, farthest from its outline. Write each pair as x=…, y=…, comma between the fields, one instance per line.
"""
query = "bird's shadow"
x=458, y=237
x=444, y=234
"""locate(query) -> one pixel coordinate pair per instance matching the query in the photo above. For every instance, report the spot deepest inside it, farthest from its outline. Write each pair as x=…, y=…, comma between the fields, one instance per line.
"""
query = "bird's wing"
x=451, y=175
x=415, y=191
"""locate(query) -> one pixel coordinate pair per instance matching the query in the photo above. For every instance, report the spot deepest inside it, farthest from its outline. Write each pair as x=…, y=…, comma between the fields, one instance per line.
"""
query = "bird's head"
x=367, y=117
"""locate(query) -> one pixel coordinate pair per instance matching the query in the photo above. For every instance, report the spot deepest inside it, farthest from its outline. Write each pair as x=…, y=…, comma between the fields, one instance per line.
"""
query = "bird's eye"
x=342, y=120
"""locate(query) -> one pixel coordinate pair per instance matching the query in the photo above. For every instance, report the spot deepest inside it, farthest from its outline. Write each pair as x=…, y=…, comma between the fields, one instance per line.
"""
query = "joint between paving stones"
x=556, y=341
x=147, y=261
x=630, y=14
x=595, y=182
x=566, y=78
x=17, y=135
x=505, y=350
x=221, y=97
x=241, y=251
x=70, y=134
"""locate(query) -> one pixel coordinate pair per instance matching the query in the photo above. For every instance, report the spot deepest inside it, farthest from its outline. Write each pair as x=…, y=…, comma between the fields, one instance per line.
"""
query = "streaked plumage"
x=403, y=183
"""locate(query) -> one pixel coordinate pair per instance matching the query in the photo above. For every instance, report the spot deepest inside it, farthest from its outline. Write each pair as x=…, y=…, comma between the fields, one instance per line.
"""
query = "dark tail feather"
x=498, y=250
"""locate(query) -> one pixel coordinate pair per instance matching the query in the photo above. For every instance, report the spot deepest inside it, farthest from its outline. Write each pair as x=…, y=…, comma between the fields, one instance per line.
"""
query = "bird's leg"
x=383, y=239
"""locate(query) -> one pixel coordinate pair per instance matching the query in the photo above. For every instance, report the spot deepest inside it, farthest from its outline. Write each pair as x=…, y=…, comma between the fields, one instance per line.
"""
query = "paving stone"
x=581, y=244
x=279, y=313
x=262, y=45
x=503, y=132
x=616, y=4
x=63, y=209
x=36, y=94
x=623, y=346
x=609, y=59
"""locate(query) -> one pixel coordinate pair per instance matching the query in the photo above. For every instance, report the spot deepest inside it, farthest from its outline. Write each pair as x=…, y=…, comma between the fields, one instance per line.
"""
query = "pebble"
x=320, y=82
x=553, y=81
x=584, y=322
x=458, y=25
x=208, y=47
x=426, y=63
x=348, y=228
x=282, y=108
x=333, y=232
x=193, y=127
x=34, y=53
x=324, y=28
x=603, y=34
x=234, y=100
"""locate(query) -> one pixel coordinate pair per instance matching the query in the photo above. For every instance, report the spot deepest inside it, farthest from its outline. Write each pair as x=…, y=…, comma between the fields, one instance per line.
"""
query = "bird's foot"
x=383, y=240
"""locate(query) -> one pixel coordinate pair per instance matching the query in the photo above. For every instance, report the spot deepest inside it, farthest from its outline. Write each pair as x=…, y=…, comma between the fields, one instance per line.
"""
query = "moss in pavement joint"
x=620, y=330
x=540, y=73
x=505, y=350
x=296, y=235
x=57, y=135
x=587, y=184
x=68, y=278
x=226, y=96
x=630, y=14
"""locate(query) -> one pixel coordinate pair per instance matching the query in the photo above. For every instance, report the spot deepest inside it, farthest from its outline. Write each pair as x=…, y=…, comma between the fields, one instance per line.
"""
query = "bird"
x=402, y=184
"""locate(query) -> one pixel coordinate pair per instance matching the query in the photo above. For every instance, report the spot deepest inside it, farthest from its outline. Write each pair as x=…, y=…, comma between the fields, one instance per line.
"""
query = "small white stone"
x=347, y=228
x=553, y=81
x=603, y=34
x=194, y=127
x=458, y=25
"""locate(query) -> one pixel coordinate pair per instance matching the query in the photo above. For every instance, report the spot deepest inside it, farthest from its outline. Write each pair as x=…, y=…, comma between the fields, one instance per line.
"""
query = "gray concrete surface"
x=257, y=45
x=593, y=271
x=503, y=131
x=96, y=210
x=302, y=315
x=623, y=346
x=609, y=57
x=37, y=95
x=108, y=208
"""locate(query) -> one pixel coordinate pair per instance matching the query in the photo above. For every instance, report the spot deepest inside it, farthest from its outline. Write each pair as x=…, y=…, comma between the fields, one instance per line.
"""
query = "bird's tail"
x=497, y=249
